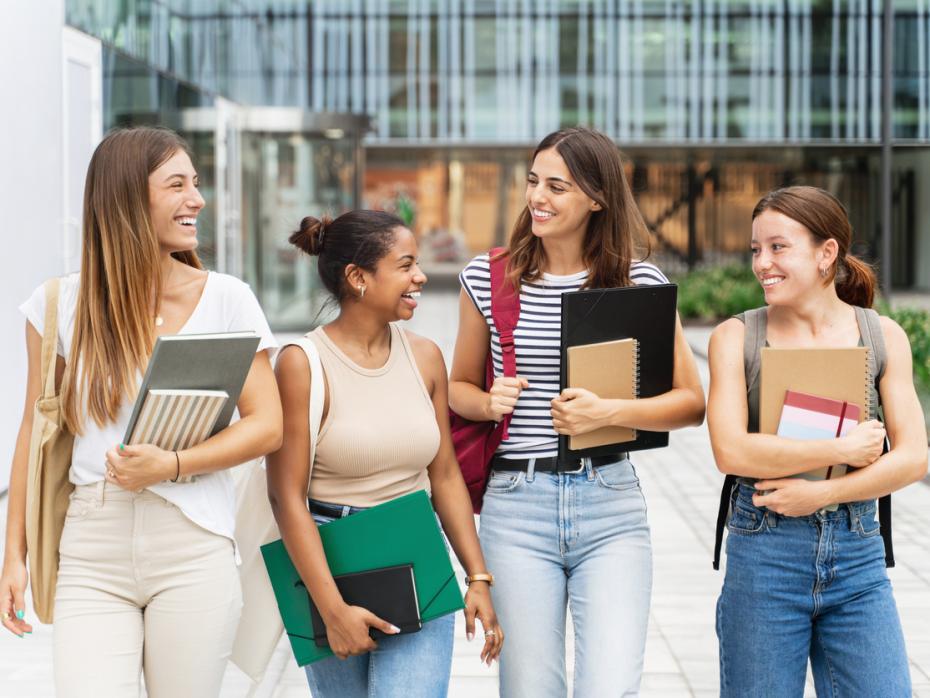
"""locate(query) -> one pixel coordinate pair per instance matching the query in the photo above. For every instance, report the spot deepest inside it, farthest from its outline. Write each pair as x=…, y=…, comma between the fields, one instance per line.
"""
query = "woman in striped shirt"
x=558, y=534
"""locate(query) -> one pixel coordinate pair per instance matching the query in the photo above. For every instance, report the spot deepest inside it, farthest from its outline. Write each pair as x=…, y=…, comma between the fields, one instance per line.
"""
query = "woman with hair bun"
x=394, y=383
x=805, y=577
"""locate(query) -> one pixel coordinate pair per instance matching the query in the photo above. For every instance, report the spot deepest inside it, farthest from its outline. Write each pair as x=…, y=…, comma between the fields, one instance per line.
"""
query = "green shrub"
x=718, y=293
x=916, y=323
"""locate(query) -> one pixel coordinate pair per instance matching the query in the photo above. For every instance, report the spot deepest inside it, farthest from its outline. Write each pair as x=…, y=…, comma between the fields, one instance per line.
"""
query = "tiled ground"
x=681, y=487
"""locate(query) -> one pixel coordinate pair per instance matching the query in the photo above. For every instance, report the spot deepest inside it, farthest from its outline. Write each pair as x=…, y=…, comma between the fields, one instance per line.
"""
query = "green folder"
x=401, y=531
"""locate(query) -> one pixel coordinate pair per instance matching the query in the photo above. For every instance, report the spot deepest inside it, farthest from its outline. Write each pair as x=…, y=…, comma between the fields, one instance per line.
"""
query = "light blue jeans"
x=412, y=665
x=577, y=540
x=811, y=587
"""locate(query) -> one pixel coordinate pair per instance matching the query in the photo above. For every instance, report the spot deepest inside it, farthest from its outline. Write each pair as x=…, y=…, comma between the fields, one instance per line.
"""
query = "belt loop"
x=531, y=470
x=346, y=510
x=99, y=494
x=854, y=516
x=589, y=468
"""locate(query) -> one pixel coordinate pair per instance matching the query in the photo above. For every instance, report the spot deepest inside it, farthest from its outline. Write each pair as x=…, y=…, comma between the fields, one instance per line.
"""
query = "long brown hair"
x=613, y=233
x=114, y=328
x=826, y=218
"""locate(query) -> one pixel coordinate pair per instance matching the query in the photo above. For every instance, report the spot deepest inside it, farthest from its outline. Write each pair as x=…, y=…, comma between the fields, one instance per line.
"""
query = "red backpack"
x=476, y=442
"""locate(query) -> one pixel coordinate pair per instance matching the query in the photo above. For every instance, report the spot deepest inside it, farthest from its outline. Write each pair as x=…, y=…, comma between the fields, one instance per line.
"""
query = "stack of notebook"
x=178, y=419
x=190, y=389
x=811, y=417
x=618, y=343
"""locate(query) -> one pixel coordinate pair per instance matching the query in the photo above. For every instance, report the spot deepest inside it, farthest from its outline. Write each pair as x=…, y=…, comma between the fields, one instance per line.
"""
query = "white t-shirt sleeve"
x=34, y=310
x=246, y=316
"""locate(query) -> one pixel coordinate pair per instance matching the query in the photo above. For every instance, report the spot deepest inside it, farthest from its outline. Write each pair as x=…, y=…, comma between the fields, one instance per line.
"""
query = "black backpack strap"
x=884, y=523
x=722, y=514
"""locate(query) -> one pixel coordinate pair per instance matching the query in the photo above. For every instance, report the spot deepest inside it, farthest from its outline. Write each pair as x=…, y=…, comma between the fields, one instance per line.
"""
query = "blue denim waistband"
x=853, y=510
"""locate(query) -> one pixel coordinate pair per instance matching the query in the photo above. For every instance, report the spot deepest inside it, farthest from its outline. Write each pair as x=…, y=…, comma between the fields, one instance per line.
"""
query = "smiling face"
x=394, y=287
x=174, y=203
x=786, y=259
x=558, y=206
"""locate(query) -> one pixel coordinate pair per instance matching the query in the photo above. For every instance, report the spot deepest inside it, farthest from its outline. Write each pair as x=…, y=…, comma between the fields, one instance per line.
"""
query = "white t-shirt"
x=227, y=305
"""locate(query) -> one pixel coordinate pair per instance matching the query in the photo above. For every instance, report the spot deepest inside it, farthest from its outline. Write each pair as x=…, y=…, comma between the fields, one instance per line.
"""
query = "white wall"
x=31, y=181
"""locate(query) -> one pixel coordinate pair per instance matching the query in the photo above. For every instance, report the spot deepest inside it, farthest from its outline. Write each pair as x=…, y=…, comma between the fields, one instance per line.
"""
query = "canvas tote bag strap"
x=261, y=627
x=50, y=337
x=317, y=391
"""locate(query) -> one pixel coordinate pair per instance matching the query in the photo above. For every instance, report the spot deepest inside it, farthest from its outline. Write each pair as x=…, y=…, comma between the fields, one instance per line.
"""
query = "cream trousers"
x=141, y=589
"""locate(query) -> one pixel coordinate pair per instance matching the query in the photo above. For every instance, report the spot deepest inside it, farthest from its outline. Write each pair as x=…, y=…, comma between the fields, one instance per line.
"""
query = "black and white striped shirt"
x=536, y=340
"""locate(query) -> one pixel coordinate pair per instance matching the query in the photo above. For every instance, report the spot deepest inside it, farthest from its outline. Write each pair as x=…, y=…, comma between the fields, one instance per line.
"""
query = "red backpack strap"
x=505, y=311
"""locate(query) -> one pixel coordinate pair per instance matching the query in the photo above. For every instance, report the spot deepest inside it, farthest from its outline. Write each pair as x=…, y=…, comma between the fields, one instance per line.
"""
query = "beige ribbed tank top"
x=380, y=433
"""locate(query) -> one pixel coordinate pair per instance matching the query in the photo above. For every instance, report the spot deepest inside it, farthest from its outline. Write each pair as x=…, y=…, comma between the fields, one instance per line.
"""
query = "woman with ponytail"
x=147, y=579
x=805, y=576
x=384, y=434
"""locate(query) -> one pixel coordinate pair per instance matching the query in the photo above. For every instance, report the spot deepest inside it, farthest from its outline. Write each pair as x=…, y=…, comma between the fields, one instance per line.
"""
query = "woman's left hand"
x=792, y=496
x=136, y=467
x=578, y=411
x=478, y=604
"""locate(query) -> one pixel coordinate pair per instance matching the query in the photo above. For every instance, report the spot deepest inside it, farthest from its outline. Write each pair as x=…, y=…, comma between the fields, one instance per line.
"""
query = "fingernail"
x=395, y=629
x=28, y=632
x=21, y=613
x=470, y=636
x=121, y=447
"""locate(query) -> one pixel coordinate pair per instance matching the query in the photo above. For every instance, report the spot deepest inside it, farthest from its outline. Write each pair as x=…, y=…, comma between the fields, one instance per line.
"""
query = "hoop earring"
x=823, y=272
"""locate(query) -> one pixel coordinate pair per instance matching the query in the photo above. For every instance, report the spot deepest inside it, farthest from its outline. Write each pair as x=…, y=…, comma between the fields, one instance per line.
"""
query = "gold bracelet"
x=480, y=577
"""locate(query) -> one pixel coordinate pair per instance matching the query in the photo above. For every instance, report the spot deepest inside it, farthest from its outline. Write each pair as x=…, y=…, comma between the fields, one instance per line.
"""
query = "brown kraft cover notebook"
x=838, y=374
x=609, y=370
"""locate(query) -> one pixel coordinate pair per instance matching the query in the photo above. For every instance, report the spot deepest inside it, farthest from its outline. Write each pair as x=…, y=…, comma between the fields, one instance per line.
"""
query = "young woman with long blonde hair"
x=147, y=578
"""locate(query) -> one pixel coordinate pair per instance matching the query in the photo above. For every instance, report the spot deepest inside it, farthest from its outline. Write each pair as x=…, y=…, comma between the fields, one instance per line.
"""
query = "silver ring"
x=490, y=633
x=111, y=474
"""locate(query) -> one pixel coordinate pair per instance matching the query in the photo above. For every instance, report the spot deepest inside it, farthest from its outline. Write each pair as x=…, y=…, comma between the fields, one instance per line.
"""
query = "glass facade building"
x=714, y=102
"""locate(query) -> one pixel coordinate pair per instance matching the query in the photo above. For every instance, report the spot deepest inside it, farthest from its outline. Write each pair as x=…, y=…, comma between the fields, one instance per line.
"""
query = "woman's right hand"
x=503, y=395
x=13, y=582
x=347, y=630
x=863, y=444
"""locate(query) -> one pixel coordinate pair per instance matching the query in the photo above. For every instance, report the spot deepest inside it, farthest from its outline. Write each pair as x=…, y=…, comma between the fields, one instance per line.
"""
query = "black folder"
x=388, y=592
x=644, y=313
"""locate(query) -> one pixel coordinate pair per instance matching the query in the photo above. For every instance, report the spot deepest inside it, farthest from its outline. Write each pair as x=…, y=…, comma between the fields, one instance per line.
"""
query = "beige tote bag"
x=47, y=486
x=260, y=626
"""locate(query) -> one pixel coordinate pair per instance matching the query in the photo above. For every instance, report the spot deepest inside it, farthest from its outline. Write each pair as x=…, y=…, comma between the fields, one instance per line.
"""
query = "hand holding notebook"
x=592, y=320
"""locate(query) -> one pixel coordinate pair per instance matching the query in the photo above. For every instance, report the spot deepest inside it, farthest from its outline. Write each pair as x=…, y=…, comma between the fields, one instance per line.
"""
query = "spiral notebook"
x=643, y=313
x=610, y=370
x=842, y=374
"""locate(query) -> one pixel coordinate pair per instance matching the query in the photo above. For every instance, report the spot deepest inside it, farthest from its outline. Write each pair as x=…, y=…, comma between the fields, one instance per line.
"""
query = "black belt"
x=551, y=464
x=332, y=511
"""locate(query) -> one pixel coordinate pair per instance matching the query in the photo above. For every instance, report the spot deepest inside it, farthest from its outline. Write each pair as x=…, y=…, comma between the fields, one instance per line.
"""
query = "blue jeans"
x=412, y=665
x=811, y=587
x=569, y=539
